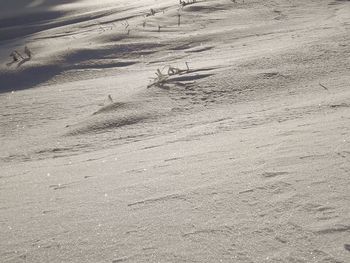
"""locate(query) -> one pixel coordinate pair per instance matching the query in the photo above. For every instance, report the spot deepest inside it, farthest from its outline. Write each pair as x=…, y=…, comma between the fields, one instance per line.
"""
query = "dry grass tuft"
x=162, y=79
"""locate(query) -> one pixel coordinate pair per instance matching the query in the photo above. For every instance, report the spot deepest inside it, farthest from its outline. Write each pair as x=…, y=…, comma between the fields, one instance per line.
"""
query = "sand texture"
x=146, y=131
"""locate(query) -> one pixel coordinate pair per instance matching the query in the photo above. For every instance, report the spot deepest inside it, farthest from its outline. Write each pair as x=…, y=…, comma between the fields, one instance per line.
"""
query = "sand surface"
x=245, y=157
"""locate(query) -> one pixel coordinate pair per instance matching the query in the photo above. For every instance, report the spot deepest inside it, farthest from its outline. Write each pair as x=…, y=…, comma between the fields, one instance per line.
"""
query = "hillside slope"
x=241, y=156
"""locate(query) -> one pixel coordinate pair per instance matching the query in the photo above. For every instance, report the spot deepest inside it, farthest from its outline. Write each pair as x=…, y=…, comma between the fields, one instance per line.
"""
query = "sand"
x=244, y=156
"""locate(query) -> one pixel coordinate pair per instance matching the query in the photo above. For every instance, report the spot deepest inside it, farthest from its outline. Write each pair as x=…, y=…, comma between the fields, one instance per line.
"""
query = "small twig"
x=188, y=68
x=189, y=2
x=323, y=86
x=14, y=56
x=151, y=13
x=18, y=54
x=126, y=24
x=28, y=52
x=163, y=79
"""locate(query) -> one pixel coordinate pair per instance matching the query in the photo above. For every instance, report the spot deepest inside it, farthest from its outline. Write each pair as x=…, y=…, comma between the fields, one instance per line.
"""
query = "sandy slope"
x=244, y=159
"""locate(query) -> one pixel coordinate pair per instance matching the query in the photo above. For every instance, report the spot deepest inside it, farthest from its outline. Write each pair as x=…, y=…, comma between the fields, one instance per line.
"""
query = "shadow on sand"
x=19, y=18
x=25, y=78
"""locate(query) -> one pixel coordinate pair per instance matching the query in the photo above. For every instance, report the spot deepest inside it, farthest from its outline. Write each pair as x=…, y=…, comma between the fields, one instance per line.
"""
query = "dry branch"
x=161, y=79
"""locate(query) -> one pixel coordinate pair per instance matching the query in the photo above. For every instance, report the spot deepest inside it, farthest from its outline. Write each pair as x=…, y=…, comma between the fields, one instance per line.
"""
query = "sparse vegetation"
x=162, y=79
x=28, y=52
x=17, y=57
x=188, y=2
x=110, y=100
x=152, y=12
